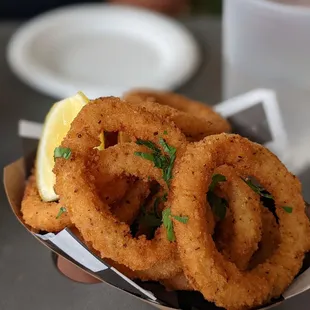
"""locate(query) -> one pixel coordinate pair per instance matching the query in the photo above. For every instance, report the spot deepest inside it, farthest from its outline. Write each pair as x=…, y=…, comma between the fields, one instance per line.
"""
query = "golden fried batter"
x=196, y=120
x=240, y=232
x=177, y=283
x=209, y=272
x=39, y=214
x=127, y=209
x=108, y=235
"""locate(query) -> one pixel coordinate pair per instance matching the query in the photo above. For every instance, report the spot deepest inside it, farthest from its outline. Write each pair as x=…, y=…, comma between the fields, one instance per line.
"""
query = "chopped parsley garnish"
x=164, y=161
x=153, y=219
x=181, y=219
x=167, y=170
x=217, y=203
x=149, y=144
x=63, y=152
x=216, y=179
x=267, y=196
x=145, y=155
x=165, y=197
x=61, y=211
x=287, y=209
x=168, y=224
x=147, y=218
x=167, y=148
x=165, y=132
x=258, y=189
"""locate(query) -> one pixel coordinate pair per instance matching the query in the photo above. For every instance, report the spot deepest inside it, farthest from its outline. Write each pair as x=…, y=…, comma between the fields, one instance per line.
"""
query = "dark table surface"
x=28, y=278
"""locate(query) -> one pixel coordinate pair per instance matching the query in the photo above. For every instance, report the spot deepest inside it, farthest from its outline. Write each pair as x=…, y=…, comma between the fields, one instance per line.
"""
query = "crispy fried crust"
x=107, y=234
x=270, y=239
x=196, y=120
x=39, y=214
x=110, y=189
x=177, y=283
x=128, y=208
x=244, y=215
x=240, y=232
x=218, y=279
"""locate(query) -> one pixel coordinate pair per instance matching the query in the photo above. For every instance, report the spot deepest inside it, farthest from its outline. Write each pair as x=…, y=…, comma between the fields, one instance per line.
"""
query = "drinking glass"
x=267, y=44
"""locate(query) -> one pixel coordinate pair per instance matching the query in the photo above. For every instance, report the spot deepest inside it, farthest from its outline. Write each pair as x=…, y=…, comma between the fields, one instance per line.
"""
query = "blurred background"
x=25, y=9
x=208, y=49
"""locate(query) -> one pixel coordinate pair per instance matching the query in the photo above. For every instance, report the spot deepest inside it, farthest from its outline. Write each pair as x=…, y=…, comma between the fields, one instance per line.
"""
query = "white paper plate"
x=102, y=50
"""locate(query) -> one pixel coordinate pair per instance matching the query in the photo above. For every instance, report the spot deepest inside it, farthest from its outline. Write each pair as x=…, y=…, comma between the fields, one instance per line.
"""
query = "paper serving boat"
x=68, y=246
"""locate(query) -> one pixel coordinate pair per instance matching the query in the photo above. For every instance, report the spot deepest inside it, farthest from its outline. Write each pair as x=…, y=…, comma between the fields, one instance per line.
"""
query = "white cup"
x=267, y=44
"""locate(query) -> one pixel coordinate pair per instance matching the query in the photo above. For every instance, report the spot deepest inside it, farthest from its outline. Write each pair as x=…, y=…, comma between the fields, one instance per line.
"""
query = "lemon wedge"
x=123, y=137
x=57, y=124
x=102, y=145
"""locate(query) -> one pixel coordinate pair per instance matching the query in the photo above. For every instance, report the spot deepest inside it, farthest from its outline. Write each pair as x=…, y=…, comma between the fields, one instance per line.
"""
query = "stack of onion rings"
x=196, y=120
x=111, y=114
x=218, y=279
x=233, y=261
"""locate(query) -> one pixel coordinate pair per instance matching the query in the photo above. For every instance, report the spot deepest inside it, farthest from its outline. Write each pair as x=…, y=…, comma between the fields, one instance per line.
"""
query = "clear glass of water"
x=267, y=44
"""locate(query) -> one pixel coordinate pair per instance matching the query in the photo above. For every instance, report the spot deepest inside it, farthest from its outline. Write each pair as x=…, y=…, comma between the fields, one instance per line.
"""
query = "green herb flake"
x=145, y=155
x=287, y=209
x=61, y=211
x=263, y=193
x=152, y=219
x=63, y=152
x=167, y=172
x=149, y=144
x=216, y=179
x=165, y=197
x=165, y=132
x=168, y=224
x=167, y=148
x=182, y=219
x=166, y=215
x=258, y=189
x=162, y=161
x=171, y=151
x=218, y=204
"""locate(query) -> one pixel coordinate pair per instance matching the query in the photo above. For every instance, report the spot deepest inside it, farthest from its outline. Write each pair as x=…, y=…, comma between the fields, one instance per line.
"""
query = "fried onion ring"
x=239, y=233
x=110, y=189
x=231, y=239
x=177, y=283
x=43, y=216
x=210, y=273
x=128, y=208
x=39, y=214
x=196, y=120
x=107, y=234
x=158, y=272
x=270, y=239
x=193, y=128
